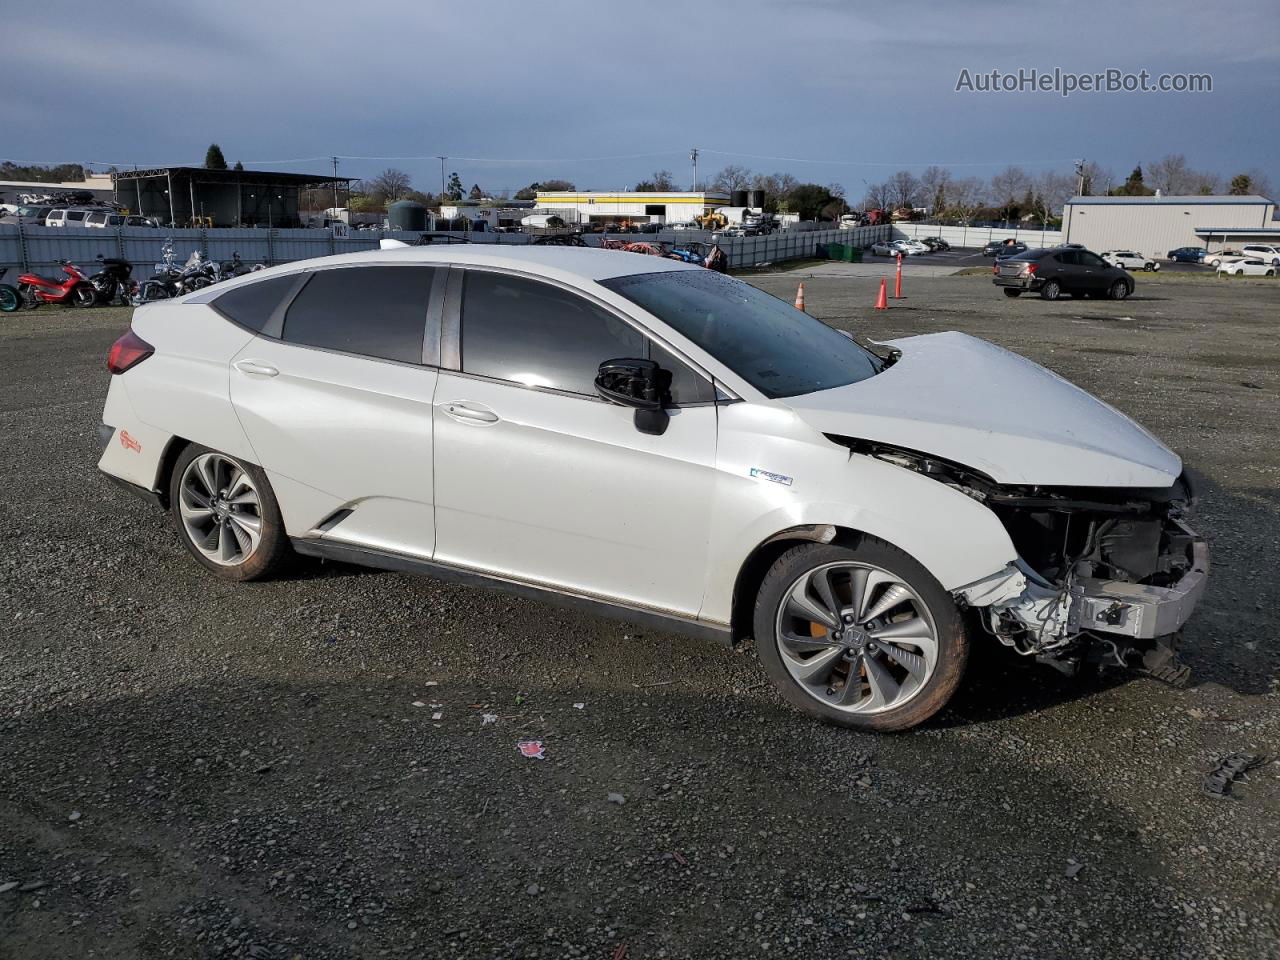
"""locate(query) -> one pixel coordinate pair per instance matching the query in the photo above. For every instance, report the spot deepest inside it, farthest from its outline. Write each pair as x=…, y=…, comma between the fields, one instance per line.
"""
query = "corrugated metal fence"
x=40, y=248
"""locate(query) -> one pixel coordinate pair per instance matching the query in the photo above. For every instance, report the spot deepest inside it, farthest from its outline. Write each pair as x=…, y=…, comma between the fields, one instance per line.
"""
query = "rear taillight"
x=127, y=352
x=995, y=268
x=1031, y=268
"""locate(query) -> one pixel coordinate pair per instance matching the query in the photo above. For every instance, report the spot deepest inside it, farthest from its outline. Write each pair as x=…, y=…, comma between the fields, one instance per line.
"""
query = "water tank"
x=738, y=198
x=755, y=199
x=407, y=215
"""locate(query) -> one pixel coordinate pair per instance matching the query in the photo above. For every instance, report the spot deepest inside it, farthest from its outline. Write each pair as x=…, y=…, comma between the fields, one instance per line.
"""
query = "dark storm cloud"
x=532, y=82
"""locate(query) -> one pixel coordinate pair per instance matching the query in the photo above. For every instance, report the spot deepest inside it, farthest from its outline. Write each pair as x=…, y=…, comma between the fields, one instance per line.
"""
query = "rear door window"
x=378, y=312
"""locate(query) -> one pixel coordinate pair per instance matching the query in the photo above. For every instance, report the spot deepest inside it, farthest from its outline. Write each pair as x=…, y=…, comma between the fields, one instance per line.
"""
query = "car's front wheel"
x=227, y=515
x=859, y=636
x=1051, y=290
x=1119, y=290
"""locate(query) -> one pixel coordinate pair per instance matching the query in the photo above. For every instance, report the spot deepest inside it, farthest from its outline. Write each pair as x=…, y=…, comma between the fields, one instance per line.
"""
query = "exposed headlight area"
x=1107, y=574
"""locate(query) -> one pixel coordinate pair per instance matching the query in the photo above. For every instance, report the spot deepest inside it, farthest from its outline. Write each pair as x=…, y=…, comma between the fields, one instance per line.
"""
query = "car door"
x=540, y=480
x=335, y=396
x=1096, y=274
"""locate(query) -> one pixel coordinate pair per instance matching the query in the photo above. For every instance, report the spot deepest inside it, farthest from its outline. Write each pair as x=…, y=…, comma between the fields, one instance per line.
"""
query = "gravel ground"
x=303, y=768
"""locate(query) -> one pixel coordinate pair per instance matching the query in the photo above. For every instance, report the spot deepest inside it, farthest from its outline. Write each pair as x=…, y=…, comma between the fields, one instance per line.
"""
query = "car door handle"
x=255, y=369
x=471, y=412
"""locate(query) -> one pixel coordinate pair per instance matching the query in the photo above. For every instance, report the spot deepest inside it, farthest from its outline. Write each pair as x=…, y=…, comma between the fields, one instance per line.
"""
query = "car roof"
x=553, y=261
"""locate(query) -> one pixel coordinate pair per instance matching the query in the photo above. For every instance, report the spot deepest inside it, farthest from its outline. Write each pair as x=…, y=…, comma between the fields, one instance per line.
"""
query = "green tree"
x=238, y=166
x=476, y=193
x=213, y=158
x=808, y=200
x=1241, y=185
x=454, y=190
x=1133, y=186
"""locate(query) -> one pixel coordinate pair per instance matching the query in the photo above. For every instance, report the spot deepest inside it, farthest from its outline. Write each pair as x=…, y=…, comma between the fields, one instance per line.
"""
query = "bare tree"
x=933, y=185
x=964, y=197
x=1050, y=193
x=879, y=196
x=390, y=185
x=1009, y=186
x=1097, y=180
x=732, y=178
x=904, y=189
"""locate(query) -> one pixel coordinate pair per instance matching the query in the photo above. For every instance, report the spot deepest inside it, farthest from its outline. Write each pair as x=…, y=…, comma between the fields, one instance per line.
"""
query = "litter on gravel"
x=533, y=749
x=1218, y=782
x=617, y=798
x=488, y=718
x=579, y=706
x=417, y=703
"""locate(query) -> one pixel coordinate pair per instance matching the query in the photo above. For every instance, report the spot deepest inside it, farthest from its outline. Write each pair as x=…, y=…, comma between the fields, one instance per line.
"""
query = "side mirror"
x=640, y=384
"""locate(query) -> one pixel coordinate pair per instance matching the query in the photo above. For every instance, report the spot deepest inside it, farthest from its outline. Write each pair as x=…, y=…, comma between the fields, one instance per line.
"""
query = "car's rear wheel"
x=1012, y=293
x=1119, y=290
x=1148, y=266
x=227, y=515
x=1050, y=290
x=859, y=636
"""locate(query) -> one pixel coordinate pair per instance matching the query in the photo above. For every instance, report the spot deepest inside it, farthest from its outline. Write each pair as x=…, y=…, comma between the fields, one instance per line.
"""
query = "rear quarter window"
x=252, y=304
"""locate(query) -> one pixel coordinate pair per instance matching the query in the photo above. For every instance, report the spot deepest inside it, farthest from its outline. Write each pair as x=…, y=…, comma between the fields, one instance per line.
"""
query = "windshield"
x=779, y=350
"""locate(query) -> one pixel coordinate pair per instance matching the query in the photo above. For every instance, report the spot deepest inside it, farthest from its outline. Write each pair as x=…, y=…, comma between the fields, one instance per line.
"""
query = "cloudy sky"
x=602, y=92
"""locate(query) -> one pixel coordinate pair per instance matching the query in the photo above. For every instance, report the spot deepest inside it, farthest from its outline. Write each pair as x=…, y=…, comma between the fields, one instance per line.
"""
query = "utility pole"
x=693, y=156
x=336, y=186
x=1080, y=177
x=442, y=160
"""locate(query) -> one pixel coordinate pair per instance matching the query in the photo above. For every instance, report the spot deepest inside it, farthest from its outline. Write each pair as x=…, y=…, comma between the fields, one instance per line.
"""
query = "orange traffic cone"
x=897, y=280
x=882, y=301
x=800, y=297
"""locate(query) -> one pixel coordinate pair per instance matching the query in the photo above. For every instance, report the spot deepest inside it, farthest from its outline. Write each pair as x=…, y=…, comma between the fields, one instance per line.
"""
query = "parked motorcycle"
x=10, y=298
x=75, y=290
x=114, y=281
x=171, y=281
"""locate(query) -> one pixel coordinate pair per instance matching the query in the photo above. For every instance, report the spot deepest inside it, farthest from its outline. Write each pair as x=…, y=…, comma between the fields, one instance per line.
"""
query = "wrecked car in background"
x=667, y=444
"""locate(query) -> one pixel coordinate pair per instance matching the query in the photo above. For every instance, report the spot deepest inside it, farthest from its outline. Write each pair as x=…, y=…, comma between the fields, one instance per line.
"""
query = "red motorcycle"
x=75, y=290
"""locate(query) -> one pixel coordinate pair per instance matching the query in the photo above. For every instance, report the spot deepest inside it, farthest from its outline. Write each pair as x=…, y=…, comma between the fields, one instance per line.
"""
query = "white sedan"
x=663, y=443
x=1129, y=260
x=1247, y=268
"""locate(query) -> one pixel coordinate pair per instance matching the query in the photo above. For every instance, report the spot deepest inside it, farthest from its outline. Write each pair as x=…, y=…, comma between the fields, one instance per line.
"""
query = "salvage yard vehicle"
x=1247, y=268
x=663, y=443
x=1217, y=259
x=1053, y=271
x=1130, y=260
x=1262, y=251
x=1188, y=255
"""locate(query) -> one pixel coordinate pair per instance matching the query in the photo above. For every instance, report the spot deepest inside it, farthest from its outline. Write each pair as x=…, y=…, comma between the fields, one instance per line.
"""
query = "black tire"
x=1148, y=266
x=272, y=554
x=1012, y=293
x=1119, y=290
x=84, y=296
x=1051, y=290
x=952, y=638
x=10, y=299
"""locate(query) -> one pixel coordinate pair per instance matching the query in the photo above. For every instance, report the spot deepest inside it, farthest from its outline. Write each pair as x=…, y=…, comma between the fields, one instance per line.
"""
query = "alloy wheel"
x=221, y=509
x=856, y=637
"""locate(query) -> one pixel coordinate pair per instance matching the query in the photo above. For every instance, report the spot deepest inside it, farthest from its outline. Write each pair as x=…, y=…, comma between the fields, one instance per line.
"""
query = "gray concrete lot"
x=194, y=769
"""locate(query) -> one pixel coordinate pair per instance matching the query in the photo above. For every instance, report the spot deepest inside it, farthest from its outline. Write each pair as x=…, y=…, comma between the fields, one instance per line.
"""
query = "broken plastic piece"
x=488, y=718
x=533, y=749
x=1230, y=769
x=579, y=706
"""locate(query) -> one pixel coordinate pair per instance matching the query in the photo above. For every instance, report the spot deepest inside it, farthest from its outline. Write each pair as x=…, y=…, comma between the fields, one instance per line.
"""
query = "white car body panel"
x=564, y=491
x=357, y=431
x=1262, y=251
x=1248, y=268
x=967, y=400
x=802, y=479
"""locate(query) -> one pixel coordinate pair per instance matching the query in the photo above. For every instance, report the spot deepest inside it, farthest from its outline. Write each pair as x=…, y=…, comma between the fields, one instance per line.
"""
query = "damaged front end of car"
x=1104, y=575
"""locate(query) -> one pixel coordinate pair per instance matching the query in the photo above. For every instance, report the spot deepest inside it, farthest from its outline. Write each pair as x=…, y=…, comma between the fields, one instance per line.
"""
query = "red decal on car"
x=129, y=443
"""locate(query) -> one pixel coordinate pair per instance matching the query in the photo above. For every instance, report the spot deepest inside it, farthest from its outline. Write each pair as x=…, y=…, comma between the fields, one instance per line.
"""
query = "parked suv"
x=1262, y=251
x=1188, y=255
x=66, y=217
x=664, y=443
x=1053, y=271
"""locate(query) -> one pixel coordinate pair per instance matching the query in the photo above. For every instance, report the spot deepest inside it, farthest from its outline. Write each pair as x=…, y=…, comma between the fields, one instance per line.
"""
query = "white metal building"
x=1155, y=225
x=663, y=207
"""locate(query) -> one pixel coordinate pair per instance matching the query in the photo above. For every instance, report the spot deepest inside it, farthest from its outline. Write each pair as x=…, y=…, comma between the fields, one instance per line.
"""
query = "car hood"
x=976, y=404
